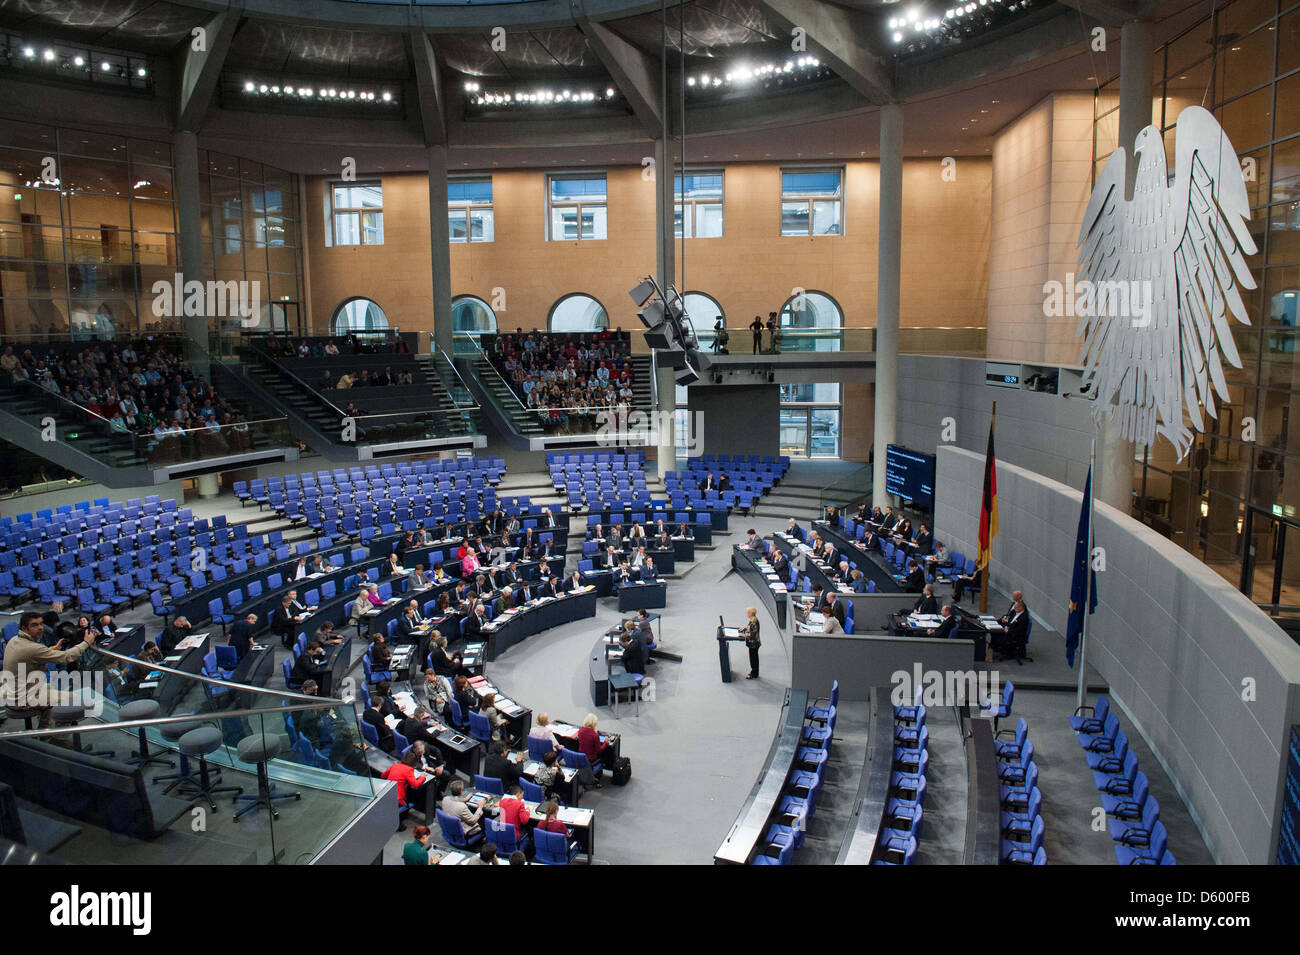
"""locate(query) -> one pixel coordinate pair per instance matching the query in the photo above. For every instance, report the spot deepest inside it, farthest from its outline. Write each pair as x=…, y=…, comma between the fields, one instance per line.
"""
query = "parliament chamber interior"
x=785, y=432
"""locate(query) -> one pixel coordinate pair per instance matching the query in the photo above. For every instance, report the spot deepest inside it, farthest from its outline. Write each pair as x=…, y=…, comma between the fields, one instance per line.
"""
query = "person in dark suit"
x=174, y=633
x=633, y=653
x=834, y=607
x=724, y=482
x=1011, y=643
x=648, y=572
x=241, y=635
x=595, y=532
x=926, y=603
x=375, y=717
x=524, y=593
x=708, y=484
x=574, y=583
x=781, y=565
x=476, y=622
x=623, y=575
x=282, y=622
x=889, y=521
x=923, y=541
x=1017, y=596
x=795, y=531
x=914, y=582
x=948, y=626
x=499, y=765
x=310, y=664
x=409, y=624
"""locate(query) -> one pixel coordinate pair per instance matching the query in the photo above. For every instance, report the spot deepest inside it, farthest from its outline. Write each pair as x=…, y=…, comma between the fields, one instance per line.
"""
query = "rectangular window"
x=576, y=205
x=357, y=209
x=469, y=210
x=698, y=211
x=812, y=201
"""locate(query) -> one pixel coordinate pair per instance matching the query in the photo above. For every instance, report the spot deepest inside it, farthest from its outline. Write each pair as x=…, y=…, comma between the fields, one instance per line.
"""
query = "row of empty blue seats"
x=802, y=790
x=1140, y=837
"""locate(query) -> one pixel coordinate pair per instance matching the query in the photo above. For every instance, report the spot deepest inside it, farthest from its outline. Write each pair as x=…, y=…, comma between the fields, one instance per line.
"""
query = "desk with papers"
x=642, y=595
x=512, y=626
x=763, y=579
x=581, y=822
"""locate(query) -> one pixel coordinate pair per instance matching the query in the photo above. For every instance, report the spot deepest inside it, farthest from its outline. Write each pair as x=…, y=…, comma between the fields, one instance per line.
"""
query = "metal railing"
x=72, y=421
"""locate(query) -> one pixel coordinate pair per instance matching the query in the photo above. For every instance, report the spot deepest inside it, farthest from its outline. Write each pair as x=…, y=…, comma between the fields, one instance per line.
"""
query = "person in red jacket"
x=513, y=809
x=552, y=822
x=413, y=788
x=591, y=745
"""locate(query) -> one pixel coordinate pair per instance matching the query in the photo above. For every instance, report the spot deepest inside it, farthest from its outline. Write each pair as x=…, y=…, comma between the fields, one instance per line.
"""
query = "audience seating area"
x=356, y=501
x=1134, y=823
x=565, y=380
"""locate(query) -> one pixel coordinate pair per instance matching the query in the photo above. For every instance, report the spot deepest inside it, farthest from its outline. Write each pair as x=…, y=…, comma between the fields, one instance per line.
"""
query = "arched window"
x=577, y=312
x=704, y=310
x=358, y=315
x=806, y=314
x=472, y=314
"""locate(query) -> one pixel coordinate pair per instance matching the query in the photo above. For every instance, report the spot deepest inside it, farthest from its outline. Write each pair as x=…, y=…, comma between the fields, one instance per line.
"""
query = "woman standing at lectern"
x=750, y=632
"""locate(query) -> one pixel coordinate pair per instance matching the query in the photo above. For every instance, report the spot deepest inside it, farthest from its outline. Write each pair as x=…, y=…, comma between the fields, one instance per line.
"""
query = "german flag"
x=989, y=506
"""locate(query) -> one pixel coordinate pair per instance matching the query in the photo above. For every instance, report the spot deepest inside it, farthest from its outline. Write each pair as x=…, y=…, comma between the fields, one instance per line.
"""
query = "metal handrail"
x=81, y=409
x=325, y=703
x=591, y=409
x=207, y=679
x=473, y=339
x=455, y=371
x=246, y=343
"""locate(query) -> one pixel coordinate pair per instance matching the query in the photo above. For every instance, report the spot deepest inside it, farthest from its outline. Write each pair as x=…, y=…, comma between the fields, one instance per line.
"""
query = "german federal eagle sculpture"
x=1179, y=246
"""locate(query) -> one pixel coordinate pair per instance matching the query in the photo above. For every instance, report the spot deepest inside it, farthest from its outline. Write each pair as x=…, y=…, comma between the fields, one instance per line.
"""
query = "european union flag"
x=1082, y=571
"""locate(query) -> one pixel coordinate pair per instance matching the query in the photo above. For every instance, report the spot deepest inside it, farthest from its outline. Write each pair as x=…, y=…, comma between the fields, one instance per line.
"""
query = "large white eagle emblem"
x=1184, y=243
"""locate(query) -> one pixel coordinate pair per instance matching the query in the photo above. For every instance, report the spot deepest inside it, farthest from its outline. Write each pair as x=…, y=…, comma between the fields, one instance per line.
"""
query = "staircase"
x=440, y=420
x=521, y=427
x=84, y=443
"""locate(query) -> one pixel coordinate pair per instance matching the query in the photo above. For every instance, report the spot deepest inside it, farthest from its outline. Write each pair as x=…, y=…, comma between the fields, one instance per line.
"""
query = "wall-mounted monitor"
x=910, y=475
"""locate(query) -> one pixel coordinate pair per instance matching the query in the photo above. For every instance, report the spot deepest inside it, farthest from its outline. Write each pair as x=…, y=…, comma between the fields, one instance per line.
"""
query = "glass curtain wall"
x=87, y=225
x=252, y=233
x=1234, y=500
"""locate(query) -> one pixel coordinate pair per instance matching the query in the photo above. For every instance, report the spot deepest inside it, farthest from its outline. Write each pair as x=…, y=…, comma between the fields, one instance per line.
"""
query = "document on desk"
x=191, y=642
x=454, y=858
x=731, y=631
x=392, y=721
x=927, y=620
x=576, y=816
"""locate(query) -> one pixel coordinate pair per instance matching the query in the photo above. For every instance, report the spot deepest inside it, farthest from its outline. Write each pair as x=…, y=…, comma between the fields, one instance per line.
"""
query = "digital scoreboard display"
x=910, y=475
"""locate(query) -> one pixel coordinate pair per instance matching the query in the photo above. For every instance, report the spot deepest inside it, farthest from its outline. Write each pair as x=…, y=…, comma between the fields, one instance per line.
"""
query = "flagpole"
x=1087, y=579
x=988, y=565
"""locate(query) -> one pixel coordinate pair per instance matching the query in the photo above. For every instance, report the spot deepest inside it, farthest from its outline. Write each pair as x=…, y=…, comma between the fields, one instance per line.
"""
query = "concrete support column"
x=1115, y=455
x=193, y=265
x=440, y=247
x=889, y=275
x=665, y=271
x=208, y=485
